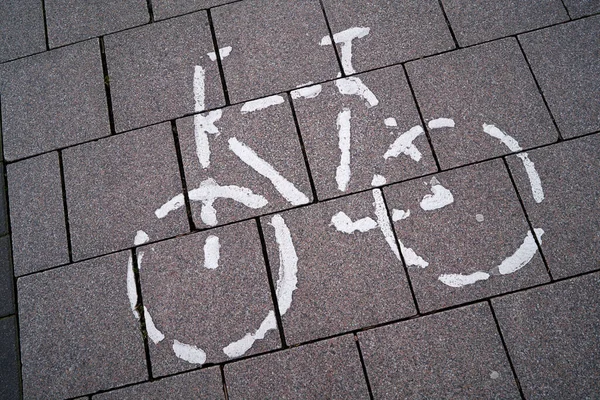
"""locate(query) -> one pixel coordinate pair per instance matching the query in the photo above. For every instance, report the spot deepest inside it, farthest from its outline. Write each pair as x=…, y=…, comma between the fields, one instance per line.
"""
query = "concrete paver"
x=455, y=354
x=170, y=8
x=580, y=8
x=7, y=299
x=22, y=28
x=76, y=329
x=10, y=377
x=552, y=337
x=566, y=63
x=330, y=369
x=487, y=84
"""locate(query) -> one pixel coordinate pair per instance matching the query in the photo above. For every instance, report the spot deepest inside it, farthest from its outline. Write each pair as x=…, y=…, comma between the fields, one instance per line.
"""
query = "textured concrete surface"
x=552, y=337
x=7, y=299
x=39, y=235
x=77, y=331
x=10, y=379
x=332, y=367
x=22, y=28
x=53, y=100
x=169, y=8
x=580, y=8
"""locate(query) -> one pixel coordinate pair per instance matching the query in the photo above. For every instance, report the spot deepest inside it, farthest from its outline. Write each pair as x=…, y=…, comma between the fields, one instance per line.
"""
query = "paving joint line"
x=364, y=366
x=150, y=11
x=111, y=118
x=213, y=34
x=140, y=310
x=566, y=9
x=224, y=382
x=186, y=196
x=333, y=43
x=448, y=23
x=45, y=26
x=65, y=206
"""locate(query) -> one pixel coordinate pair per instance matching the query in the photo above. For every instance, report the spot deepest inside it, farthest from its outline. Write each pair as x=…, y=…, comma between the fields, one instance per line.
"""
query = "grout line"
x=150, y=10
x=364, y=366
x=225, y=393
x=218, y=55
x=186, y=196
x=65, y=207
x=111, y=118
x=333, y=43
x=566, y=9
x=140, y=309
x=448, y=23
x=45, y=25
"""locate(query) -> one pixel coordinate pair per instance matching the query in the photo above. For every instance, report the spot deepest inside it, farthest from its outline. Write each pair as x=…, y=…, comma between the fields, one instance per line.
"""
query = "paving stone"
x=7, y=300
x=171, y=8
x=566, y=64
x=399, y=30
x=487, y=84
x=78, y=334
x=195, y=302
x=275, y=46
x=52, y=100
x=454, y=354
x=114, y=186
x=580, y=8
x=152, y=71
x=552, y=338
x=3, y=210
x=22, y=28
x=202, y=385
x=370, y=138
x=37, y=214
x=271, y=134
x=9, y=359
x=344, y=281
x=449, y=237
x=329, y=369
x=569, y=209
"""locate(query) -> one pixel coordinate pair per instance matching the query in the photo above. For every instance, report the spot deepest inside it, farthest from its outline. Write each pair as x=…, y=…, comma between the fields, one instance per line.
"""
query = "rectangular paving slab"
x=464, y=236
x=562, y=199
x=78, y=334
x=355, y=140
x=162, y=71
x=10, y=377
x=22, y=28
x=170, y=8
x=7, y=300
x=487, y=85
x=53, y=100
x=453, y=354
x=580, y=8
x=552, y=338
x=336, y=267
x=114, y=187
x=206, y=298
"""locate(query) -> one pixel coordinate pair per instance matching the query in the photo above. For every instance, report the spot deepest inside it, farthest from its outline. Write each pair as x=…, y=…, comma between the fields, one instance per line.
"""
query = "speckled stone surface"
x=370, y=138
x=7, y=299
x=455, y=354
x=37, y=215
x=580, y=8
x=486, y=84
x=570, y=210
x=475, y=22
x=399, y=30
x=202, y=307
x=22, y=28
x=78, y=334
x=552, y=338
x=275, y=46
x=329, y=369
x=10, y=376
x=70, y=21
x=566, y=63
x=202, y=385
x=271, y=134
x=345, y=281
x=114, y=186
x=53, y=100
x=171, y=8
x=151, y=71
x=454, y=241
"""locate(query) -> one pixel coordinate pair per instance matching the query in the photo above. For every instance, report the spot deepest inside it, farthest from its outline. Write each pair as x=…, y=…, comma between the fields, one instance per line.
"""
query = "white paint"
x=398, y=215
x=260, y=104
x=522, y=256
x=441, y=197
x=345, y=38
x=282, y=185
x=354, y=86
x=479, y=217
x=240, y=347
x=342, y=172
x=132, y=289
x=203, y=125
x=198, y=88
x=507, y=140
x=343, y=223
x=153, y=333
x=141, y=237
x=391, y=122
x=223, y=52
x=378, y=180
x=411, y=258
x=288, y=264
x=171, y=205
x=459, y=280
x=441, y=123
x=189, y=353
x=307, y=92
x=383, y=221
x=212, y=249
x=534, y=178
x=404, y=144
x=494, y=375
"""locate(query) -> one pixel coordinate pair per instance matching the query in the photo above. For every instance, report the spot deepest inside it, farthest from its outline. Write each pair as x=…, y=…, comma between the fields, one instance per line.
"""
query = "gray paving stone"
x=78, y=334
x=194, y=304
x=22, y=28
x=450, y=355
x=329, y=369
x=552, y=338
x=566, y=64
x=7, y=300
x=475, y=22
x=580, y=8
x=275, y=46
x=152, y=70
x=3, y=210
x=569, y=211
x=344, y=281
x=271, y=134
x=399, y=30
x=487, y=84
x=70, y=21
x=171, y=8
x=370, y=138
x=10, y=386
x=52, y=100
x=202, y=385
x=114, y=186
x=452, y=240
x=39, y=236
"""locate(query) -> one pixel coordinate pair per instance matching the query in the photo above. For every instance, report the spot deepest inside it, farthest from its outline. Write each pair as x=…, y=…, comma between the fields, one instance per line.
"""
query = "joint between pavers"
x=218, y=56
x=333, y=43
x=111, y=119
x=566, y=9
x=225, y=393
x=140, y=310
x=150, y=10
x=65, y=207
x=449, y=25
x=45, y=25
x=186, y=197
x=364, y=366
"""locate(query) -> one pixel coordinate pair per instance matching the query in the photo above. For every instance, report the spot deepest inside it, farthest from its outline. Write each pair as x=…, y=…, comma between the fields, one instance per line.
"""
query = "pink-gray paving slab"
x=170, y=8
x=22, y=28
